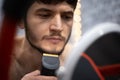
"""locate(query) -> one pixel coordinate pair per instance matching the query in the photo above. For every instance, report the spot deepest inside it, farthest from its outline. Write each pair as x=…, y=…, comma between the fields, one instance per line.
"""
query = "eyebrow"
x=43, y=10
x=68, y=12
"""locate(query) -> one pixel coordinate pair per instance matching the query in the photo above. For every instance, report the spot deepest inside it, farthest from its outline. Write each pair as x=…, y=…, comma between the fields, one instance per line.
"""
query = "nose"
x=56, y=23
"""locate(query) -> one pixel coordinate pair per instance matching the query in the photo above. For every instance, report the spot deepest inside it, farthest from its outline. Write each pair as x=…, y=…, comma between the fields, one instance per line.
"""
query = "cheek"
x=68, y=28
x=67, y=31
x=36, y=32
x=36, y=28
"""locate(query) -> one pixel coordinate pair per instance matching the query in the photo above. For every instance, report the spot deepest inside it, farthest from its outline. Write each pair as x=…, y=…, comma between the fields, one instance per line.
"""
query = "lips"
x=54, y=39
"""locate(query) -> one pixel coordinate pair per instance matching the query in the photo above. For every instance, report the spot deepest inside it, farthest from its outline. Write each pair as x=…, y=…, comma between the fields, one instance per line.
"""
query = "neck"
x=30, y=57
x=31, y=50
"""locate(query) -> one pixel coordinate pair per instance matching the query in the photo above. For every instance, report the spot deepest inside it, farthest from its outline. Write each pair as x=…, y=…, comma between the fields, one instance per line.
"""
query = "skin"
x=48, y=27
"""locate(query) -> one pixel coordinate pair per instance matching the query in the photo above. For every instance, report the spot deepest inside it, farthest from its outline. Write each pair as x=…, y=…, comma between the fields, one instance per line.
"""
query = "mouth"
x=54, y=39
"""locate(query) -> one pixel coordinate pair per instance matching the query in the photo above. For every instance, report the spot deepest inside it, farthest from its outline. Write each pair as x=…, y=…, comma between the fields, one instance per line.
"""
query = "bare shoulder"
x=19, y=40
x=18, y=45
x=15, y=67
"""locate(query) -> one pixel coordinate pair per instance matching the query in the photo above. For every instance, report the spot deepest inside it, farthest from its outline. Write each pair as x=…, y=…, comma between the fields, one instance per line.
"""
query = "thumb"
x=34, y=73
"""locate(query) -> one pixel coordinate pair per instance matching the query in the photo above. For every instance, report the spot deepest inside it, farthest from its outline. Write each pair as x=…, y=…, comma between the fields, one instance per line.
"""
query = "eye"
x=67, y=17
x=44, y=15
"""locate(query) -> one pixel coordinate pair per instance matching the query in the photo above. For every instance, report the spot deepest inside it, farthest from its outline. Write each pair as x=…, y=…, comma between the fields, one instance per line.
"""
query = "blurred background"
x=0, y=11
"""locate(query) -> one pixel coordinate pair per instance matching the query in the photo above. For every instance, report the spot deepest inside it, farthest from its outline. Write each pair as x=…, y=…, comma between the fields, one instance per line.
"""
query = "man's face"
x=49, y=26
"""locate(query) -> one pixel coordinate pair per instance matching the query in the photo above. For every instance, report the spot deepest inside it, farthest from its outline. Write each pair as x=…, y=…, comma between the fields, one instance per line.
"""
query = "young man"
x=48, y=25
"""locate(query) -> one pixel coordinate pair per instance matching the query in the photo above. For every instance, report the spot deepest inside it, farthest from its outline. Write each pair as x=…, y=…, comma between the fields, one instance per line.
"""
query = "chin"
x=53, y=51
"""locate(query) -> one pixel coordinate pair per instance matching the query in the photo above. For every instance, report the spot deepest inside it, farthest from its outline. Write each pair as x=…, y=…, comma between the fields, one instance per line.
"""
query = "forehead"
x=54, y=7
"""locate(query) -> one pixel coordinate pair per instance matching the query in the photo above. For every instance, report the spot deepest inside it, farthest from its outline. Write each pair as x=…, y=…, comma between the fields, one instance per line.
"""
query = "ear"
x=20, y=24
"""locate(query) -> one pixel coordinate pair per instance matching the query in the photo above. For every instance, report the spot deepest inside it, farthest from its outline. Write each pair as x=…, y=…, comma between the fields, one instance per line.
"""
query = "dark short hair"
x=18, y=8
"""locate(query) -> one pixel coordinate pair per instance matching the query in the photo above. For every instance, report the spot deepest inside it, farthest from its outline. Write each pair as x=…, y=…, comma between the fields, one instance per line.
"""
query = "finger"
x=46, y=78
x=34, y=73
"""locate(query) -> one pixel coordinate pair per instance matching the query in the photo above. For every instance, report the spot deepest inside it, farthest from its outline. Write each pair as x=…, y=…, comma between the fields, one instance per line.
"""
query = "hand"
x=35, y=75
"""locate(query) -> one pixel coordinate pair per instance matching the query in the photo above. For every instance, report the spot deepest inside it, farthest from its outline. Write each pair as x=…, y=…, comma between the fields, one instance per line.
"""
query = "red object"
x=7, y=33
x=110, y=70
x=94, y=66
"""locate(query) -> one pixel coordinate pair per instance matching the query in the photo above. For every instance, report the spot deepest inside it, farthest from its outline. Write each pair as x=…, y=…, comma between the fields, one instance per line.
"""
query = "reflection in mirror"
x=23, y=60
